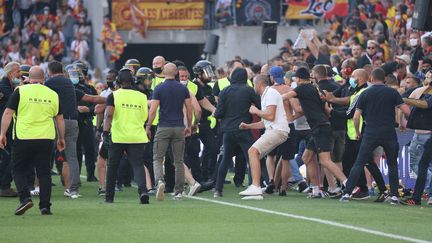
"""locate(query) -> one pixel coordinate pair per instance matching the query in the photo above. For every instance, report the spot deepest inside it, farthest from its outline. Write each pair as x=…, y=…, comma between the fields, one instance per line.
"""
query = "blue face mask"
x=16, y=81
x=75, y=81
x=353, y=83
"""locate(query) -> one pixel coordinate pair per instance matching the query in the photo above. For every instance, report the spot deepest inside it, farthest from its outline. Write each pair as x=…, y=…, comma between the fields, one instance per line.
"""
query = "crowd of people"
x=335, y=107
x=37, y=32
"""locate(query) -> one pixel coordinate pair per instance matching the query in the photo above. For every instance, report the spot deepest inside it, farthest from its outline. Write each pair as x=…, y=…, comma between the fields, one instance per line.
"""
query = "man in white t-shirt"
x=276, y=131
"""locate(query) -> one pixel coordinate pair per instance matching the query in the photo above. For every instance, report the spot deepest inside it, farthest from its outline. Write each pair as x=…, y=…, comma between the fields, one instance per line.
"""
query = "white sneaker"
x=67, y=193
x=194, y=189
x=75, y=195
x=160, y=192
x=178, y=197
x=252, y=191
x=35, y=192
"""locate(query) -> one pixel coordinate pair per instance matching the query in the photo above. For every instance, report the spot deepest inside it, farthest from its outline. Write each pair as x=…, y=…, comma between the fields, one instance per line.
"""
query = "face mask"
x=110, y=85
x=75, y=81
x=184, y=82
x=16, y=81
x=157, y=70
x=353, y=83
x=413, y=42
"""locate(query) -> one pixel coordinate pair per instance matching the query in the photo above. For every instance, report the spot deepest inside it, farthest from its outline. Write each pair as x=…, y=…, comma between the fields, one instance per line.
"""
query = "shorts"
x=103, y=152
x=269, y=141
x=321, y=139
x=288, y=149
x=338, y=142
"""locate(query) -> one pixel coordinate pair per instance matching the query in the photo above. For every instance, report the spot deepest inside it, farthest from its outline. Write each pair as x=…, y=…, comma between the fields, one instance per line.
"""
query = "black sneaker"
x=92, y=179
x=302, y=186
x=270, y=188
x=23, y=207
x=282, y=193
x=410, y=202
x=45, y=211
x=144, y=198
x=127, y=185
x=382, y=197
x=109, y=200
x=335, y=195
x=101, y=192
x=360, y=195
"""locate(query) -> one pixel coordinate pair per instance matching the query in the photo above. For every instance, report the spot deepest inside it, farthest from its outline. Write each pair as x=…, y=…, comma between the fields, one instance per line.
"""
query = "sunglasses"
x=371, y=47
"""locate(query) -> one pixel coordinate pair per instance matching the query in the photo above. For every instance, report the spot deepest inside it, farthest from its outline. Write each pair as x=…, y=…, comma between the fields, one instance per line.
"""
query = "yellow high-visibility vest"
x=351, y=132
x=130, y=114
x=38, y=105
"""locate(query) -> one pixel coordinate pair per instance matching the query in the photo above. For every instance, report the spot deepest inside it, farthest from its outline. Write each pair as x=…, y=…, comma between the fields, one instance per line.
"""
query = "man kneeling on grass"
x=276, y=131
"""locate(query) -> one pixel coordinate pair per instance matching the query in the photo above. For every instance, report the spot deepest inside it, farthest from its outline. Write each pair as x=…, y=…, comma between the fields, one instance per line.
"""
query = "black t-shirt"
x=14, y=102
x=337, y=123
x=312, y=106
x=207, y=92
x=323, y=59
x=68, y=96
x=378, y=105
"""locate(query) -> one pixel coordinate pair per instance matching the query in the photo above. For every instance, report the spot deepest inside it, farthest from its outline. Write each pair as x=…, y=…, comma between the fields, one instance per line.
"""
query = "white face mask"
x=413, y=42
x=184, y=82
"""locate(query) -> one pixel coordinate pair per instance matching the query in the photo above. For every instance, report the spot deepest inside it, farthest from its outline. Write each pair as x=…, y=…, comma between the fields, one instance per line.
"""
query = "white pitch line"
x=316, y=220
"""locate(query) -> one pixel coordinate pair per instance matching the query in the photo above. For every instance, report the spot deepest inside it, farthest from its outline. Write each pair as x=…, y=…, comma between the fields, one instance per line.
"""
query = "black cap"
x=302, y=73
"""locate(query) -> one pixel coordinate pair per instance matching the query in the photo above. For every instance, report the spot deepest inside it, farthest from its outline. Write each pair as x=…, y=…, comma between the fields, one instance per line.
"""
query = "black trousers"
x=367, y=146
x=5, y=164
x=211, y=149
x=192, y=160
x=425, y=160
x=28, y=154
x=86, y=140
x=231, y=140
x=350, y=154
x=135, y=153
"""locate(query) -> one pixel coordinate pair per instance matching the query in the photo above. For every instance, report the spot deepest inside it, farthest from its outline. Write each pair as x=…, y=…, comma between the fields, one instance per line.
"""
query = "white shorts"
x=269, y=141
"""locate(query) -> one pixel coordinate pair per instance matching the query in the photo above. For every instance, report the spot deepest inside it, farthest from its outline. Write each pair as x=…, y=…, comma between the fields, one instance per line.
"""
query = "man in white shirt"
x=276, y=131
x=80, y=47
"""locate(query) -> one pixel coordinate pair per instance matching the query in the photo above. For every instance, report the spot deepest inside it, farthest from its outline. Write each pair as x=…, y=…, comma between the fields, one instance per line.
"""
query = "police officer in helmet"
x=133, y=65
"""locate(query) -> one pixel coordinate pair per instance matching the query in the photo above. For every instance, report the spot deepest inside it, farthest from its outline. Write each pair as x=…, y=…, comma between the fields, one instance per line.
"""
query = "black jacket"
x=6, y=90
x=235, y=101
x=417, y=55
x=363, y=61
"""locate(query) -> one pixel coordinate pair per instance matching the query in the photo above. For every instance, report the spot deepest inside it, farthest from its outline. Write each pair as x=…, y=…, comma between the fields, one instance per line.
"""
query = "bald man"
x=358, y=85
x=35, y=132
x=274, y=121
x=158, y=66
x=170, y=96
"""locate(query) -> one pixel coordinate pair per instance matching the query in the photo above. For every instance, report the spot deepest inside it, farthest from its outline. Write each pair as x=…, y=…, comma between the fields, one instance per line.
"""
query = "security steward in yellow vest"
x=358, y=85
x=204, y=73
x=125, y=115
x=35, y=107
x=225, y=82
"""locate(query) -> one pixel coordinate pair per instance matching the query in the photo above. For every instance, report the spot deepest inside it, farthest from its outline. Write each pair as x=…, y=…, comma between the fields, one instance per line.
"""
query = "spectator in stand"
x=80, y=46
x=57, y=47
x=371, y=52
x=417, y=51
x=68, y=22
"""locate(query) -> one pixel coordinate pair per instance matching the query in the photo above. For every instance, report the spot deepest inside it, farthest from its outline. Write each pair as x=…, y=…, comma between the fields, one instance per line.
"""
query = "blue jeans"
x=295, y=172
x=424, y=164
x=416, y=150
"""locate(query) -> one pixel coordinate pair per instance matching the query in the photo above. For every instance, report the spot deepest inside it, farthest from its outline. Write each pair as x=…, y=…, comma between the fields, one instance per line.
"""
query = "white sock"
x=315, y=190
